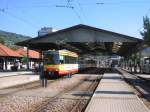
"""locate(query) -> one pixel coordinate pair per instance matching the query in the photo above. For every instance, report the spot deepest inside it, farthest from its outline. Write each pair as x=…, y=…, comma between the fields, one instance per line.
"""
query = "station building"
x=33, y=56
x=9, y=58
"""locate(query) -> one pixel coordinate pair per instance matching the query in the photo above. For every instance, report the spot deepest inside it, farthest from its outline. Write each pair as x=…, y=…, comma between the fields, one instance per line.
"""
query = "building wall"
x=6, y=63
x=46, y=30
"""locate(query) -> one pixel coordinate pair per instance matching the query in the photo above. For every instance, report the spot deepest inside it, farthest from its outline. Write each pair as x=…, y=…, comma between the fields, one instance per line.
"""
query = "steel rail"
x=92, y=88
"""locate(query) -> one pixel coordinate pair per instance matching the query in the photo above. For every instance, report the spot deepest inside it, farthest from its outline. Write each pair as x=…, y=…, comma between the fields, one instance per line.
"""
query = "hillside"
x=11, y=38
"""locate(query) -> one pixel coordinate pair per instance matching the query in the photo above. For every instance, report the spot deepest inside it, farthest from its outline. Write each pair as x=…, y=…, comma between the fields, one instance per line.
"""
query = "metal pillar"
x=140, y=63
x=5, y=61
x=27, y=58
x=41, y=58
x=2, y=63
x=42, y=75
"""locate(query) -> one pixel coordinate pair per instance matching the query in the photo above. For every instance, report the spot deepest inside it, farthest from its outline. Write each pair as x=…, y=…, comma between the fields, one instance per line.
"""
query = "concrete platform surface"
x=7, y=74
x=113, y=94
x=145, y=76
x=17, y=79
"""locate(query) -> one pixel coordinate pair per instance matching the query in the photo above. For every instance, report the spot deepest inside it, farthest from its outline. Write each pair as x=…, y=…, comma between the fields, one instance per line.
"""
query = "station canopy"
x=85, y=39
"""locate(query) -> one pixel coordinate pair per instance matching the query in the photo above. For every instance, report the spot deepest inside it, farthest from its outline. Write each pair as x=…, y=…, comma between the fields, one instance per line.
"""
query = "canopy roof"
x=84, y=39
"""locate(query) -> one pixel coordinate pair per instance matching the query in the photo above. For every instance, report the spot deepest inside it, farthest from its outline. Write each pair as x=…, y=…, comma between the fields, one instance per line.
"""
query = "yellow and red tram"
x=60, y=63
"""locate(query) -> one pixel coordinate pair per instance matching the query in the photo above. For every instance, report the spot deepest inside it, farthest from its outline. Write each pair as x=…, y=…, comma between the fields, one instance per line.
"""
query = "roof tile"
x=32, y=53
x=5, y=51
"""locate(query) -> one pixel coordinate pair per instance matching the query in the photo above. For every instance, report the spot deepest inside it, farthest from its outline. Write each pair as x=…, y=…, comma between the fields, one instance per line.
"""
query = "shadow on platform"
x=114, y=92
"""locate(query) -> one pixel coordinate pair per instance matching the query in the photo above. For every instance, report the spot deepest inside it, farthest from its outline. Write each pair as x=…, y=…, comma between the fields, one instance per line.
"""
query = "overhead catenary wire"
x=18, y=18
x=44, y=6
x=68, y=2
x=32, y=6
x=68, y=5
x=6, y=11
x=73, y=4
x=78, y=16
x=81, y=10
x=115, y=3
x=29, y=16
x=73, y=9
x=75, y=12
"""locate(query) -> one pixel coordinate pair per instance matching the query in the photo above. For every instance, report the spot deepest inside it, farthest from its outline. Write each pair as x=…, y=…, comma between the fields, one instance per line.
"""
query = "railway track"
x=25, y=86
x=90, y=91
x=32, y=85
x=75, y=108
x=21, y=87
x=141, y=86
x=77, y=104
x=30, y=97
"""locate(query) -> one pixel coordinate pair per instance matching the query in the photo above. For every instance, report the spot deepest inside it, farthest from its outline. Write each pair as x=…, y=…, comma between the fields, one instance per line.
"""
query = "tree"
x=2, y=41
x=24, y=59
x=146, y=32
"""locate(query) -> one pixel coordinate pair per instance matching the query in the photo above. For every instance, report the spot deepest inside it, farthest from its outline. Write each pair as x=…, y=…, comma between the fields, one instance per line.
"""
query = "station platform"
x=8, y=79
x=113, y=94
x=140, y=75
x=144, y=76
x=7, y=74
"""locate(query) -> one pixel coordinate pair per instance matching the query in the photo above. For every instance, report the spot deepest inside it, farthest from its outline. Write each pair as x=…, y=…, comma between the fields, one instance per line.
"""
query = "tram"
x=145, y=65
x=60, y=63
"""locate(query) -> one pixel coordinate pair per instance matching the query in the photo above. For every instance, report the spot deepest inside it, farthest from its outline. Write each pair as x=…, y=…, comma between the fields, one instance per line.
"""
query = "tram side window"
x=67, y=60
x=61, y=59
x=73, y=59
x=70, y=60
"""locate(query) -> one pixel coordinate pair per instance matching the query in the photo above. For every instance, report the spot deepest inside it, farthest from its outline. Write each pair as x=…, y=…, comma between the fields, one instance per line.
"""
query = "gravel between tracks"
x=27, y=100
x=67, y=101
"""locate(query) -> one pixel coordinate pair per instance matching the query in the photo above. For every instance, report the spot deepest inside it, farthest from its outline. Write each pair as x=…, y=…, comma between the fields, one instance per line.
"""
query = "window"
x=61, y=59
x=70, y=60
x=51, y=58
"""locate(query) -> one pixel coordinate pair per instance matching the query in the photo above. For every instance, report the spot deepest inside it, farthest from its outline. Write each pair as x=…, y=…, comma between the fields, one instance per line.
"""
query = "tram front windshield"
x=50, y=58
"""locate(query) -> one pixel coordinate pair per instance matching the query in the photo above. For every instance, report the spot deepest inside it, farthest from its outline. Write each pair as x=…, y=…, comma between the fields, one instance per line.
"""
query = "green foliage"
x=133, y=57
x=14, y=48
x=2, y=41
x=146, y=32
x=11, y=38
x=24, y=59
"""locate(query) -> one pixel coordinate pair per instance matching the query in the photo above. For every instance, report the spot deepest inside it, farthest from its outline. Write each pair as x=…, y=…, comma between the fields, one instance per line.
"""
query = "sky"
x=28, y=16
